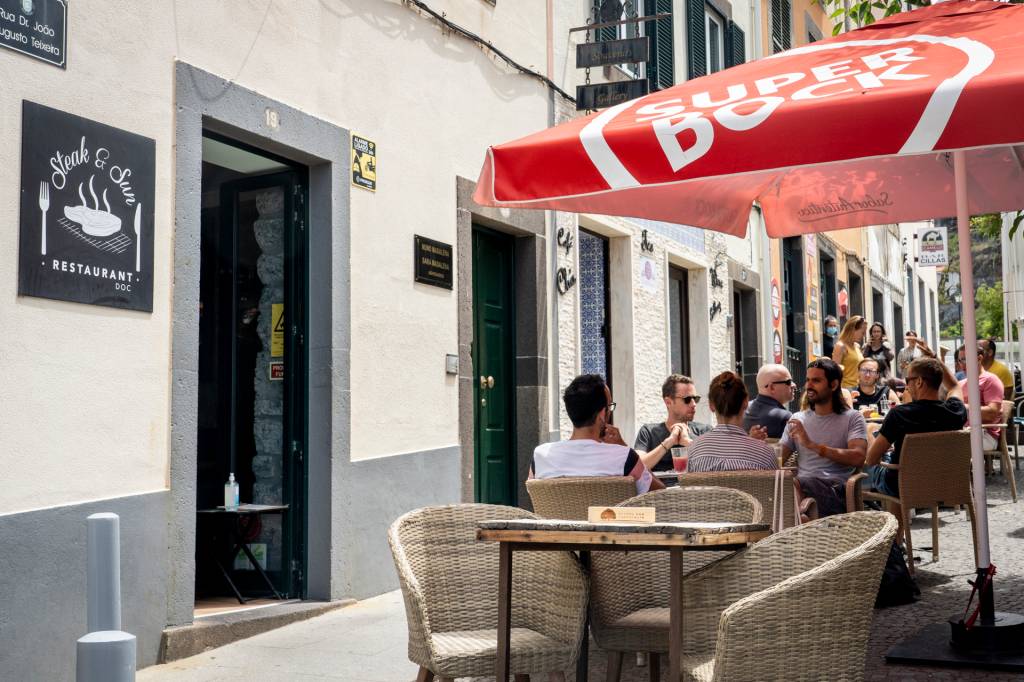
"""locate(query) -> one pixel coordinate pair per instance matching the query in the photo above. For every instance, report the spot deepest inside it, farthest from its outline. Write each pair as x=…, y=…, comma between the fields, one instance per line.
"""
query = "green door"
x=494, y=380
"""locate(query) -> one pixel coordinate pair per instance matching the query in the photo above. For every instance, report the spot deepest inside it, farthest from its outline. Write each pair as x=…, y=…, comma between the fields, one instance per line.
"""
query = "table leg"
x=675, y=629
x=583, y=662
x=231, y=583
x=244, y=546
x=502, y=662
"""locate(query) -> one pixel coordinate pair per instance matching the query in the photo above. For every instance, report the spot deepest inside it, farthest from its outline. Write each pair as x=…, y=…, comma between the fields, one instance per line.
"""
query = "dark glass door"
x=493, y=367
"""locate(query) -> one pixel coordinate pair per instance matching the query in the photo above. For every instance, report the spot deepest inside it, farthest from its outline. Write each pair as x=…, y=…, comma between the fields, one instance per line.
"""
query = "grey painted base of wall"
x=43, y=583
x=373, y=494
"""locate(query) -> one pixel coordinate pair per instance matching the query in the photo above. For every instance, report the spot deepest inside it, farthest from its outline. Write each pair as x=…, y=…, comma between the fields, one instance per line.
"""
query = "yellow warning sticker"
x=277, y=330
x=364, y=163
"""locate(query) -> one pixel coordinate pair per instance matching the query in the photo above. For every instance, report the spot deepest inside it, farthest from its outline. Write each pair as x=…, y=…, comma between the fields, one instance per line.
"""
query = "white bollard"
x=103, y=602
x=106, y=656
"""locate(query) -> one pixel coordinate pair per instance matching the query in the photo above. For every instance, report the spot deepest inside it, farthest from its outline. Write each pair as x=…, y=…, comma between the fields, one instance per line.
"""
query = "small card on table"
x=620, y=514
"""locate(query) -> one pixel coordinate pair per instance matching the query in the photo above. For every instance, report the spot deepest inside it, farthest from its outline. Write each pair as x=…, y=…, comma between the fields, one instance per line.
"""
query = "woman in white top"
x=727, y=447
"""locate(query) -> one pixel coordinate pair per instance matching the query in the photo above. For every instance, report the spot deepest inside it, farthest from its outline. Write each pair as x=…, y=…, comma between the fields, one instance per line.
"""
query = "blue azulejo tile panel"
x=593, y=304
x=691, y=237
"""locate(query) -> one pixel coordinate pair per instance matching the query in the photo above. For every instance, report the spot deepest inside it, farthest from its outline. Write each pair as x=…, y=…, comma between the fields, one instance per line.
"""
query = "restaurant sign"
x=86, y=222
x=602, y=95
x=37, y=28
x=932, y=249
x=625, y=51
x=433, y=262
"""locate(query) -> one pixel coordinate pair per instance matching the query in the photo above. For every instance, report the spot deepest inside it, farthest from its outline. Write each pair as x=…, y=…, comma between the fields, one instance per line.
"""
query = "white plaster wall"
x=568, y=320
x=86, y=395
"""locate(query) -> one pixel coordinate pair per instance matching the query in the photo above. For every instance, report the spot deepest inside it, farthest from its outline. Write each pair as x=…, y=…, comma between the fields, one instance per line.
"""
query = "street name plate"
x=433, y=262
x=625, y=51
x=37, y=28
x=602, y=95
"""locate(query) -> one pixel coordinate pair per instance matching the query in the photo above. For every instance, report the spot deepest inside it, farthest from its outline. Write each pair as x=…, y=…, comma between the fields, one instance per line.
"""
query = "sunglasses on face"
x=787, y=382
x=688, y=399
x=611, y=407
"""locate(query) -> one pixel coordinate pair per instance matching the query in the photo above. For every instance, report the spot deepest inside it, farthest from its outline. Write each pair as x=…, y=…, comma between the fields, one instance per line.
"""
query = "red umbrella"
x=913, y=117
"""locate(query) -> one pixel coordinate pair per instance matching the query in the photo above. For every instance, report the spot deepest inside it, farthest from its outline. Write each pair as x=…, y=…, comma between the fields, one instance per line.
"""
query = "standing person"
x=654, y=442
x=727, y=447
x=595, y=447
x=991, y=389
x=871, y=388
x=924, y=414
x=828, y=340
x=907, y=354
x=775, y=390
x=878, y=348
x=998, y=368
x=830, y=437
x=847, y=353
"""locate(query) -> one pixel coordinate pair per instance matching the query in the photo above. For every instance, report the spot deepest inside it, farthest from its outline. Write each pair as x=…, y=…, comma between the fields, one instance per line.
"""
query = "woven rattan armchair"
x=630, y=591
x=762, y=485
x=569, y=497
x=1002, y=451
x=795, y=606
x=449, y=582
x=934, y=470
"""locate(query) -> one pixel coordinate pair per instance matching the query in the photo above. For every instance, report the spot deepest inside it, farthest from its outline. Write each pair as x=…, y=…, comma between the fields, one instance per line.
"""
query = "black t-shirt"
x=862, y=399
x=883, y=356
x=920, y=416
x=651, y=436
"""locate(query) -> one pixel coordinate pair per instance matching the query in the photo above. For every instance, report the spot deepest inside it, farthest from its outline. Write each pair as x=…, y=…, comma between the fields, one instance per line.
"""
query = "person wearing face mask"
x=828, y=341
x=654, y=442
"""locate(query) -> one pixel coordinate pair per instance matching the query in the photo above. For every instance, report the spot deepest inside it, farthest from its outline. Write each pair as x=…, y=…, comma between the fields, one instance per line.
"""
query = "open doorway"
x=252, y=419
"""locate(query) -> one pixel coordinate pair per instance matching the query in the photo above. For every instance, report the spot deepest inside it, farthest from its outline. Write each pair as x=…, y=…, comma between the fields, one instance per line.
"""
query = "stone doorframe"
x=531, y=300
x=204, y=101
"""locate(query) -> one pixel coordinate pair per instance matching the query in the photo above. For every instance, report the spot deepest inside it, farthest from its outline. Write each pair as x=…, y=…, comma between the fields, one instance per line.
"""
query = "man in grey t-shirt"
x=829, y=437
x=654, y=442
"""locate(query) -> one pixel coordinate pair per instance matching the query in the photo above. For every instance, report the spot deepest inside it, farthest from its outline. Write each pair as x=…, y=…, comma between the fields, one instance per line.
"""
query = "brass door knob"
x=486, y=382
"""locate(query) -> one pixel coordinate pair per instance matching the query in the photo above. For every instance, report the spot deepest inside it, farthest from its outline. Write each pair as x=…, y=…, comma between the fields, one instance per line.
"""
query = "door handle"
x=486, y=382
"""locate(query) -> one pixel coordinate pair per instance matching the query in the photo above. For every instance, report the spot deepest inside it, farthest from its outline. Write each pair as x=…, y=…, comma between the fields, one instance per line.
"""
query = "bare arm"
x=656, y=483
x=951, y=385
x=991, y=412
x=852, y=455
x=838, y=352
x=1008, y=393
x=879, y=446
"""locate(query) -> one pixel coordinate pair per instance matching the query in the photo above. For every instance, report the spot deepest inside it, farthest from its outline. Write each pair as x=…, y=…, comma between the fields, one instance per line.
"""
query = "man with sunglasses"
x=654, y=442
x=595, y=447
x=766, y=415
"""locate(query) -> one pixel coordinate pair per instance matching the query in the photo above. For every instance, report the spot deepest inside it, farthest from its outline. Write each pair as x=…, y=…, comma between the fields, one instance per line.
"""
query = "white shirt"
x=585, y=457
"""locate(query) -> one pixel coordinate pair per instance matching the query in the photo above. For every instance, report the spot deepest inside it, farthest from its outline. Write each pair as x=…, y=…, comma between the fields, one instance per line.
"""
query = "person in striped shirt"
x=727, y=447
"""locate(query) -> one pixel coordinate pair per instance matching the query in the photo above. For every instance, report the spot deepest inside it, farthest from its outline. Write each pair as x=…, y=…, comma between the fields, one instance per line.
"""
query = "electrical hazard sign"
x=277, y=330
x=364, y=163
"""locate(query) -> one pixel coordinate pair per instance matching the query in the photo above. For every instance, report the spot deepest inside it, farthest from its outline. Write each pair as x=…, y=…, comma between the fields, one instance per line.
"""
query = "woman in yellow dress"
x=847, y=353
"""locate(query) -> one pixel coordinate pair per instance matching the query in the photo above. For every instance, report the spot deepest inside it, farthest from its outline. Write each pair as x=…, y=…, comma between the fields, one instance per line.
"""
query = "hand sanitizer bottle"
x=231, y=493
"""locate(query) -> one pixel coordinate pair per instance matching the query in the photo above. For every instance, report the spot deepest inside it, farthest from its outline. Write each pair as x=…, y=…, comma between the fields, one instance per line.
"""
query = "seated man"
x=727, y=447
x=595, y=447
x=830, y=437
x=654, y=442
x=992, y=391
x=924, y=414
x=995, y=367
x=775, y=389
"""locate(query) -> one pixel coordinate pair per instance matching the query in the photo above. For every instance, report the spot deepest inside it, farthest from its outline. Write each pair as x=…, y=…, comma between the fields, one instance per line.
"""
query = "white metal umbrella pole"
x=963, y=229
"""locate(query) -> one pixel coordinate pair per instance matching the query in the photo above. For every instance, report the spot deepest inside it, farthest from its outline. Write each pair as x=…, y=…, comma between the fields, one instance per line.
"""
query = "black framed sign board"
x=37, y=28
x=433, y=262
x=87, y=192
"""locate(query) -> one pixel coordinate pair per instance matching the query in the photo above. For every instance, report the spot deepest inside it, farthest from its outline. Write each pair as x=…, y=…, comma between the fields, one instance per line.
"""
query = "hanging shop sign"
x=933, y=248
x=37, y=28
x=87, y=193
x=625, y=51
x=364, y=163
x=433, y=262
x=603, y=95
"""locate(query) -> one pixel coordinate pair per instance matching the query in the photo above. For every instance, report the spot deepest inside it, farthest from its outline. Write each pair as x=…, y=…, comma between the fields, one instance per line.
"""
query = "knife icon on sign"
x=138, y=238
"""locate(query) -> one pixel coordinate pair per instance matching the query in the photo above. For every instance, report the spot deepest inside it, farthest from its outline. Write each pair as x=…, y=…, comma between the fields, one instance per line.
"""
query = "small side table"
x=239, y=543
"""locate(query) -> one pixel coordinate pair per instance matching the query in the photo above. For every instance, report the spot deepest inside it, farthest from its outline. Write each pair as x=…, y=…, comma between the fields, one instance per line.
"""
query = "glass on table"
x=680, y=458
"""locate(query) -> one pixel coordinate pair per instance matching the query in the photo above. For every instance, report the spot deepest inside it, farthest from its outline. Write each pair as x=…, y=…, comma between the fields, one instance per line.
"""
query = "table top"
x=245, y=509
x=565, y=532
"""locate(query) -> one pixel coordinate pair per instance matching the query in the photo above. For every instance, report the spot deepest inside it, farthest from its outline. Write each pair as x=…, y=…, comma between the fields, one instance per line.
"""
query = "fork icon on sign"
x=44, y=206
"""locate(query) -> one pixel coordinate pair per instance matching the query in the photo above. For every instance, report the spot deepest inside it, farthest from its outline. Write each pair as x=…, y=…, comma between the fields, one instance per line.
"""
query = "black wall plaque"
x=625, y=51
x=87, y=193
x=433, y=262
x=601, y=95
x=37, y=28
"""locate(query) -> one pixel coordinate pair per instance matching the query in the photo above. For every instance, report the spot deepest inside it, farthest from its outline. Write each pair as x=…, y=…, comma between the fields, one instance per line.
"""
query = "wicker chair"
x=934, y=470
x=449, y=582
x=762, y=485
x=569, y=497
x=630, y=591
x=1002, y=451
x=795, y=606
